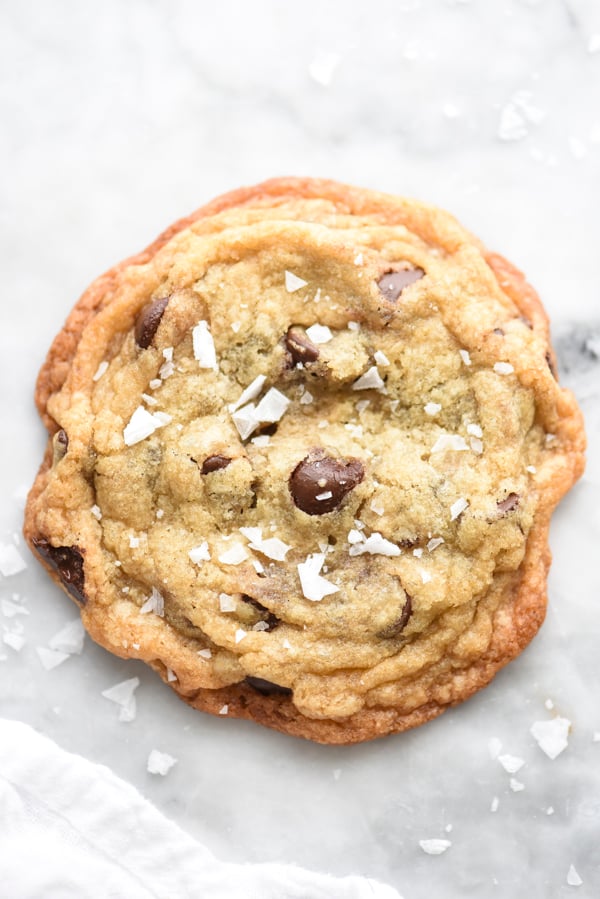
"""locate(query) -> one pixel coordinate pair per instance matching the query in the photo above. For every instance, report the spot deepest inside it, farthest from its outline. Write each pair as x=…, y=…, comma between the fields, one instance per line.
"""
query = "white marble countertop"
x=117, y=119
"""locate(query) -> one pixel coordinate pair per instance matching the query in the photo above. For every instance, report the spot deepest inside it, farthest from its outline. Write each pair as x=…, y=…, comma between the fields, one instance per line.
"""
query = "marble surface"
x=117, y=119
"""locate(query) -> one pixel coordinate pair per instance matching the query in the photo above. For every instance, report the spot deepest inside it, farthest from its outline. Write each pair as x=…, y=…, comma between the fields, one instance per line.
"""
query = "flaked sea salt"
x=160, y=762
x=371, y=380
x=375, y=545
x=319, y=334
x=434, y=847
x=293, y=282
x=458, y=508
x=204, y=346
x=551, y=736
x=503, y=368
x=200, y=553
x=123, y=695
x=155, y=603
x=314, y=587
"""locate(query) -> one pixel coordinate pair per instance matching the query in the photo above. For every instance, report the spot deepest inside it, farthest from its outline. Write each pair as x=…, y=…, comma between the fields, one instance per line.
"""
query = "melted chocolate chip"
x=270, y=619
x=67, y=561
x=396, y=627
x=214, y=463
x=299, y=347
x=266, y=687
x=148, y=320
x=509, y=504
x=60, y=444
x=499, y=332
x=392, y=284
x=320, y=475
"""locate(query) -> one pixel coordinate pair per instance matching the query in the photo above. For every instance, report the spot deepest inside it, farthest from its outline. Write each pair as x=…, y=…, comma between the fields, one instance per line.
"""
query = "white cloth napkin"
x=70, y=828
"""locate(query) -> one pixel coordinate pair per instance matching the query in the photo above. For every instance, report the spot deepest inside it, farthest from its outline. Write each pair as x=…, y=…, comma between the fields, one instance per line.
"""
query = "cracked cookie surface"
x=304, y=453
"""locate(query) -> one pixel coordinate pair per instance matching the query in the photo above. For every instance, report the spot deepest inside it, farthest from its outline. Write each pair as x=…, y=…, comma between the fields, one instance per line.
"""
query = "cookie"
x=304, y=451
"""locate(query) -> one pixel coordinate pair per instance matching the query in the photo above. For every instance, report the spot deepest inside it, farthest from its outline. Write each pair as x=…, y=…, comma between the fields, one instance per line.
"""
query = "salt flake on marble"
x=577, y=147
x=517, y=115
x=51, y=658
x=11, y=561
x=10, y=608
x=551, y=736
x=323, y=66
x=319, y=334
x=573, y=878
x=434, y=847
x=69, y=638
x=204, y=346
x=314, y=587
x=495, y=804
x=515, y=785
x=494, y=747
x=596, y=737
x=293, y=282
x=160, y=762
x=123, y=695
x=511, y=763
x=594, y=44
x=14, y=640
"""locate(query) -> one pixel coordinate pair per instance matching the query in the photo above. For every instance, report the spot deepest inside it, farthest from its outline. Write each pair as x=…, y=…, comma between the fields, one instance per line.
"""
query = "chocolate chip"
x=320, y=475
x=67, y=561
x=214, y=463
x=392, y=284
x=60, y=443
x=266, y=687
x=509, y=504
x=148, y=320
x=299, y=347
x=396, y=627
x=499, y=332
x=270, y=619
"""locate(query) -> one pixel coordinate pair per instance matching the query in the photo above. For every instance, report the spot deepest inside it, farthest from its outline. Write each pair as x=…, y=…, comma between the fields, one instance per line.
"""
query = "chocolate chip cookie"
x=304, y=451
